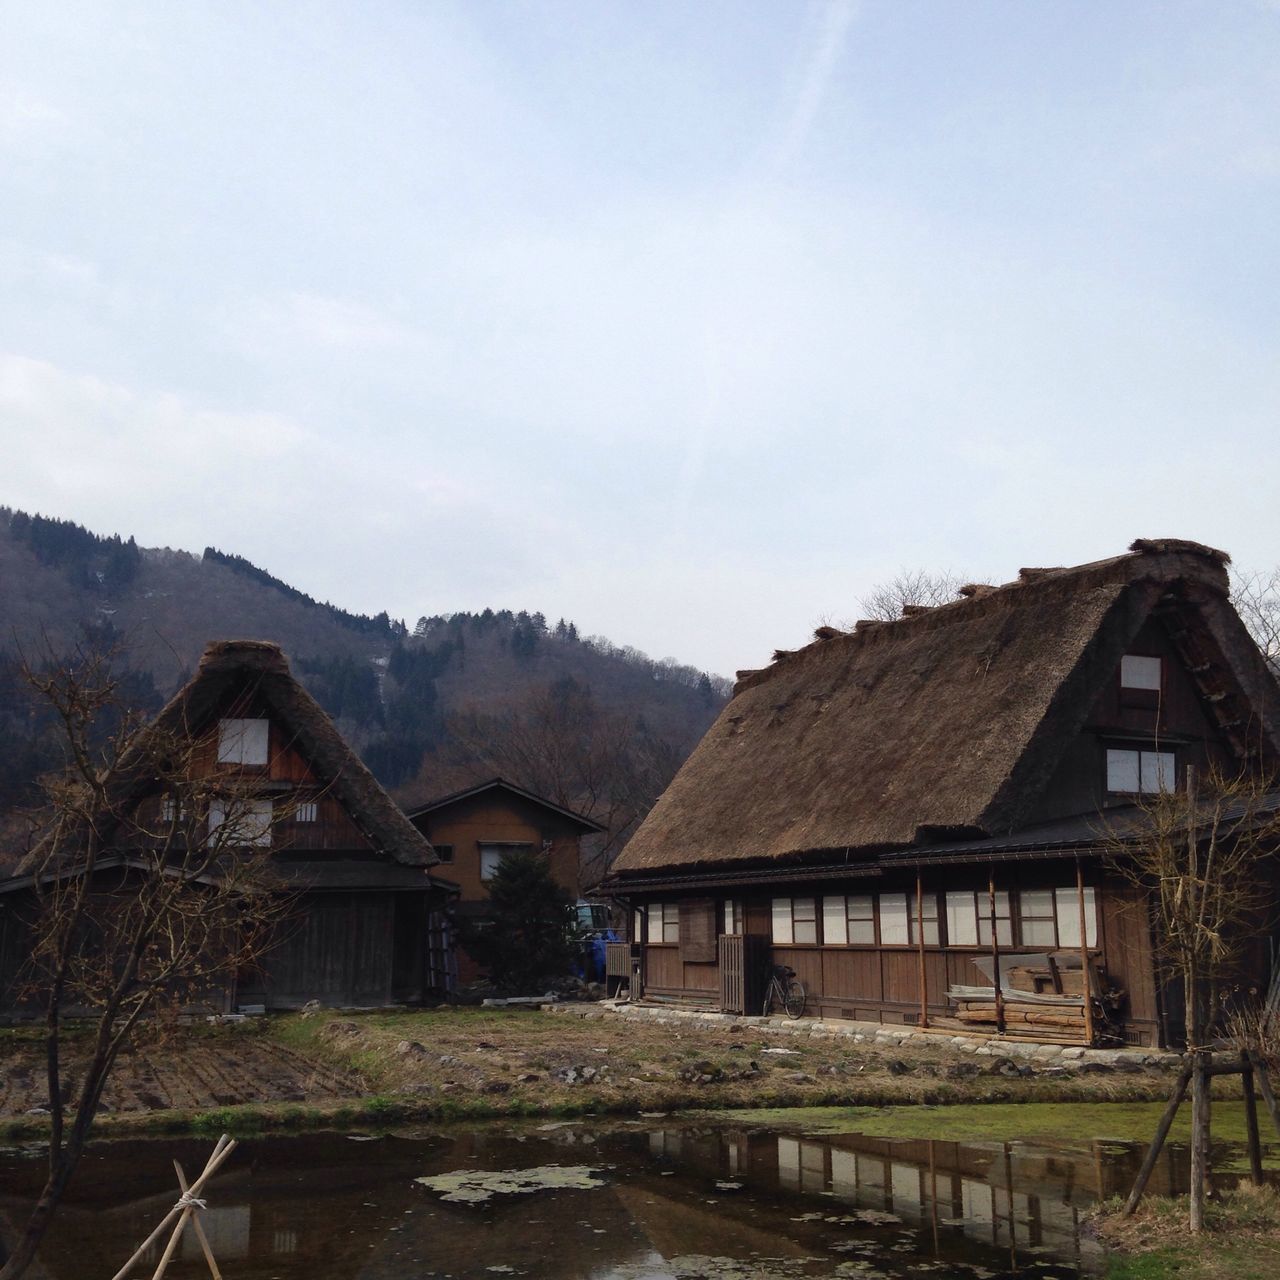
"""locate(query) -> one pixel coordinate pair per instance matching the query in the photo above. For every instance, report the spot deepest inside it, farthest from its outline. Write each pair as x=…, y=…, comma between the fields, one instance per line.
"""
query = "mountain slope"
x=428, y=709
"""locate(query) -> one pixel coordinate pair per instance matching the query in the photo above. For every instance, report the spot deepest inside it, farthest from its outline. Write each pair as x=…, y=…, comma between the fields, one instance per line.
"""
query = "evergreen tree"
x=524, y=943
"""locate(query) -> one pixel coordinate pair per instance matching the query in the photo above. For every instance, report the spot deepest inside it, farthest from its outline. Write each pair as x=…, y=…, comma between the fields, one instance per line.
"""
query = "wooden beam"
x=1251, y=1119
x=924, y=979
x=1162, y=1132
x=995, y=948
x=1086, y=974
x=1264, y=1087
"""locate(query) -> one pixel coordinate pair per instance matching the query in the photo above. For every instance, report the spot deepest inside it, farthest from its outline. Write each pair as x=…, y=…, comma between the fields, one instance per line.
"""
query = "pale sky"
x=688, y=321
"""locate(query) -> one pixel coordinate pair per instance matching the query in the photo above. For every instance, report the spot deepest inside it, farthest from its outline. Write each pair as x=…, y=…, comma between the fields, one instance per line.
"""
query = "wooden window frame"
x=733, y=911
x=226, y=738
x=1139, y=696
x=441, y=851
x=1139, y=749
x=912, y=919
x=791, y=901
x=666, y=910
x=874, y=920
x=982, y=917
x=1065, y=904
x=503, y=847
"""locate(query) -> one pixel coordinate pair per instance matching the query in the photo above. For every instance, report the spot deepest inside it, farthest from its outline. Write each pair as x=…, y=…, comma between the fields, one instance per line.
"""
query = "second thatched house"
x=367, y=924
x=911, y=815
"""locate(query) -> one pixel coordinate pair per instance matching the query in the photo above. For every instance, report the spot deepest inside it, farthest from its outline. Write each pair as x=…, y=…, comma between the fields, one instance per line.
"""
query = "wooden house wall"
x=1176, y=719
x=882, y=983
x=495, y=817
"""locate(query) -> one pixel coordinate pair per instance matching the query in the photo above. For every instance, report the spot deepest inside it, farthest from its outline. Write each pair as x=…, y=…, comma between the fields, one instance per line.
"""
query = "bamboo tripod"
x=187, y=1209
x=1251, y=1070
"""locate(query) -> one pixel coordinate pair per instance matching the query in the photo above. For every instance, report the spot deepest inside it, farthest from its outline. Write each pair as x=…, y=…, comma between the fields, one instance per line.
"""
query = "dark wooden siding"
x=339, y=950
x=698, y=931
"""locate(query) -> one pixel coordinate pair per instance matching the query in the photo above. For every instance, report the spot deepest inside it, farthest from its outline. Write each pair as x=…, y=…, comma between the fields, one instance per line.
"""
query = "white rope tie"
x=188, y=1201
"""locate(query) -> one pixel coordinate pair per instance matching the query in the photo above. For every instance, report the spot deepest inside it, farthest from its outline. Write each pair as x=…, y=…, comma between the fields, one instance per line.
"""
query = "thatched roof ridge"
x=948, y=720
x=1152, y=553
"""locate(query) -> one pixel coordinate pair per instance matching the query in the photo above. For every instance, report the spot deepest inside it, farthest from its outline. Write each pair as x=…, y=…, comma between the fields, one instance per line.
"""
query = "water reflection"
x=676, y=1202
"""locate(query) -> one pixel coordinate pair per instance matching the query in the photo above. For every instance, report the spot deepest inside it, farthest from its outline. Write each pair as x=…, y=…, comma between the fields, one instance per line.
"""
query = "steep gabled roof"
x=231, y=671
x=947, y=722
x=586, y=825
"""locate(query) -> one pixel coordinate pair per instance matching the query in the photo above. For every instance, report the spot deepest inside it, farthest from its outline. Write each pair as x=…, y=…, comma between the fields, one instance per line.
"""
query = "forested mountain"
x=451, y=700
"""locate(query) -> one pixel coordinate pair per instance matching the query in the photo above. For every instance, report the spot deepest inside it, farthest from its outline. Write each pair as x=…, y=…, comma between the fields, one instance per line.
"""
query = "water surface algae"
x=475, y=1186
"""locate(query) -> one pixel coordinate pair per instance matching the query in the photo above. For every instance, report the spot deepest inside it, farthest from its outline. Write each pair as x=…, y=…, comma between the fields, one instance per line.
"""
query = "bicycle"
x=787, y=988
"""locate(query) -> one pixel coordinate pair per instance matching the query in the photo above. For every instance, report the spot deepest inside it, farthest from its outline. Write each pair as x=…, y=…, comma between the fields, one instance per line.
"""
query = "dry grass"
x=522, y=1061
x=1242, y=1240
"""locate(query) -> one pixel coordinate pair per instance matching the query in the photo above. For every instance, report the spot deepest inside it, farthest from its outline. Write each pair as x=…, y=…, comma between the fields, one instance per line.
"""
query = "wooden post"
x=924, y=979
x=995, y=949
x=1251, y=1119
x=1086, y=973
x=1162, y=1132
x=933, y=1194
x=1264, y=1087
x=1199, y=1138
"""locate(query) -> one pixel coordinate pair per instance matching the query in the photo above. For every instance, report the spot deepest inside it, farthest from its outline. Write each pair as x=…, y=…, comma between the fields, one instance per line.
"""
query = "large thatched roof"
x=232, y=672
x=947, y=722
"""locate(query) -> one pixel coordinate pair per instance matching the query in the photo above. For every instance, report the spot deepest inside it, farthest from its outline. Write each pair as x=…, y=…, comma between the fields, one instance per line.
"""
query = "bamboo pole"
x=1162, y=1132
x=1251, y=1119
x=199, y=1227
x=924, y=979
x=224, y=1148
x=995, y=949
x=1086, y=973
x=1200, y=1119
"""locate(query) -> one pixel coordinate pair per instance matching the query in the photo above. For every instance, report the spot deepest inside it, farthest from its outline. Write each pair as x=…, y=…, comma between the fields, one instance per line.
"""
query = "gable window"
x=849, y=920
x=734, y=916
x=242, y=741
x=899, y=920
x=1138, y=671
x=795, y=920
x=664, y=922
x=1137, y=771
x=444, y=852
x=969, y=918
x=307, y=811
x=248, y=822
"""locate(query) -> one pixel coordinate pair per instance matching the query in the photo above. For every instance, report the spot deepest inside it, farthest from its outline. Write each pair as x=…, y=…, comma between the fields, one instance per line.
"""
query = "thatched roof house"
x=996, y=728
x=369, y=928
x=948, y=722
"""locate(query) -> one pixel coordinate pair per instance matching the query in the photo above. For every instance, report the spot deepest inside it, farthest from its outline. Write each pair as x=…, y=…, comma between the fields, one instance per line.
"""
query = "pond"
x=659, y=1198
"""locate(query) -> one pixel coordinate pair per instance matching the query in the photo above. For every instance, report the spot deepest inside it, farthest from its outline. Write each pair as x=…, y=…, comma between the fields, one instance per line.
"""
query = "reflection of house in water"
x=351, y=1210
x=1019, y=1197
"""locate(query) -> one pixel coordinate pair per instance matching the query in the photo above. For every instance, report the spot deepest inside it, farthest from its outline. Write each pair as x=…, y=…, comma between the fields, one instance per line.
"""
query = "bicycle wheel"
x=794, y=1003
x=768, y=999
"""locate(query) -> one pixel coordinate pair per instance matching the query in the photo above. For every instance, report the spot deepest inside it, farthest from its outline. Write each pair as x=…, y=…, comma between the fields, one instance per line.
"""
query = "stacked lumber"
x=1018, y=1014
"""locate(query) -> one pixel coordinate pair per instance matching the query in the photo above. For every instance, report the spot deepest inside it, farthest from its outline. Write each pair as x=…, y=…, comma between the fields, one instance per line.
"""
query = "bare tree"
x=148, y=888
x=1195, y=853
x=1256, y=597
x=910, y=588
x=605, y=764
